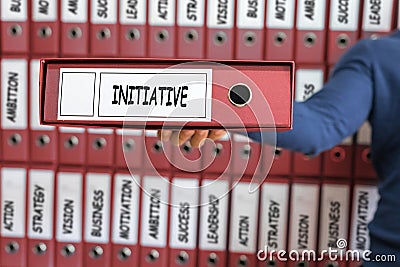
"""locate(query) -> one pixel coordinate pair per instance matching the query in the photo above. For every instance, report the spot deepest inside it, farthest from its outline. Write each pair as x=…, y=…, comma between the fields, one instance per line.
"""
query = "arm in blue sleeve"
x=336, y=111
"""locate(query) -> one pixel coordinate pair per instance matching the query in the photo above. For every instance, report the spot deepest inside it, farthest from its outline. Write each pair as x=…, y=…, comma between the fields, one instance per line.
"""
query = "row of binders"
x=307, y=31
x=88, y=209
x=68, y=216
x=23, y=139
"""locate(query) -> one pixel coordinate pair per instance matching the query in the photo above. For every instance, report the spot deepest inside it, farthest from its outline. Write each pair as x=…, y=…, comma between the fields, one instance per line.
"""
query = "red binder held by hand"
x=134, y=93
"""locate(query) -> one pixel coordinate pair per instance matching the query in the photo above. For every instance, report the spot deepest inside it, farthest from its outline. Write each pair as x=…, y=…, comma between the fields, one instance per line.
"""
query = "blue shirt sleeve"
x=336, y=111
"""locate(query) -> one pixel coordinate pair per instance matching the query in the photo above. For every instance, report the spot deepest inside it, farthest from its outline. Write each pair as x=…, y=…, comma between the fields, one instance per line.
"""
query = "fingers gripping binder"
x=176, y=93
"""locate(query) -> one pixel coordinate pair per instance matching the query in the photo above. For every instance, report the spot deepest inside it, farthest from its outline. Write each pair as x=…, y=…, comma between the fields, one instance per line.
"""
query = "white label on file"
x=34, y=98
x=344, y=15
x=214, y=215
x=132, y=12
x=335, y=200
x=150, y=133
x=280, y=14
x=191, y=13
x=347, y=141
x=274, y=211
x=74, y=11
x=129, y=132
x=98, y=199
x=161, y=12
x=126, y=209
x=304, y=217
x=184, y=207
x=44, y=10
x=139, y=94
x=377, y=16
x=308, y=83
x=13, y=196
x=103, y=12
x=250, y=14
x=71, y=130
x=41, y=199
x=364, y=134
x=12, y=10
x=311, y=15
x=106, y=131
x=365, y=200
x=69, y=203
x=244, y=219
x=14, y=94
x=155, y=195
x=220, y=15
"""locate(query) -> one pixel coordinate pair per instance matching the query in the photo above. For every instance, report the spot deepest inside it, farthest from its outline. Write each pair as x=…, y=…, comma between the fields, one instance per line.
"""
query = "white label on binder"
x=74, y=11
x=344, y=15
x=191, y=13
x=250, y=14
x=98, y=199
x=41, y=199
x=214, y=215
x=304, y=217
x=335, y=200
x=140, y=94
x=103, y=12
x=129, y=132
x=150, y=133
x=132, y=12
x=377, y=16
x=154, y=213
x=280, y=14
x=13, y=196
x=274, y=211
x=71, y=130
x=311, y=15
x=364, y=134
x=365, y=200
x=220, y=14
x=12, y=10
x=244, y=219
x=161, y=13
x=69, y=207
x=184, y=207
x=44, y=10
x=308, y=82
x=34, y=98
x=106, y=131
x=14, y=94
x=126, y=209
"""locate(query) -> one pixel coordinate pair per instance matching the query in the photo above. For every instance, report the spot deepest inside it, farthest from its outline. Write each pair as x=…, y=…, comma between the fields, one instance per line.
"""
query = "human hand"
x=196, y=137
